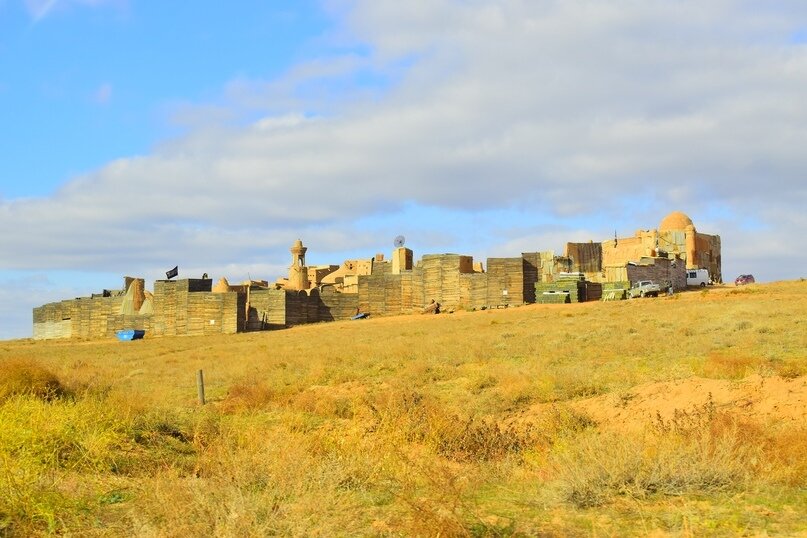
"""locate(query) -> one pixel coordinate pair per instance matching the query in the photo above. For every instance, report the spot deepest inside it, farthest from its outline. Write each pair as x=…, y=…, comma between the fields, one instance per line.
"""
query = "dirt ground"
x=755, y=398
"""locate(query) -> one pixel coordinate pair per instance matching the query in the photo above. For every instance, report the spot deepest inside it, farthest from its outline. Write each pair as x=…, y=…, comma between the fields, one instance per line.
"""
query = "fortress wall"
x=505, y=275
x=164, y=308
x=531, y=262
x=312, y=303
x=90, y=316
x=121, y=322
x=210, y=313
x=380, y=294
x=586, y=257
x=392, y=295
x=189, y=307
x=662, y=271
x=335, y=306
x=267, y=308
x=312, y=306
x=407, y=293
x=53, y=320
x=371, y=294
x=364, y=293
x=473, y=290
x=441, y=277
x=709, y=255
x=381, y=268
x=616, y=273
x=418, y=298
x=85, y=317
x=432, y=274
x=623, y=250
x=551, y=265
x=296, y=307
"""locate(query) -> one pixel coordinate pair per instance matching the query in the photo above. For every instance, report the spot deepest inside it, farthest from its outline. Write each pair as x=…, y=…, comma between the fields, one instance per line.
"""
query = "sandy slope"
x=756, y=398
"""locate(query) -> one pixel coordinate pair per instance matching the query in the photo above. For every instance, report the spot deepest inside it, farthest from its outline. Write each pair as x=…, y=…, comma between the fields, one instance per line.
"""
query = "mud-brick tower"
x=298, y=272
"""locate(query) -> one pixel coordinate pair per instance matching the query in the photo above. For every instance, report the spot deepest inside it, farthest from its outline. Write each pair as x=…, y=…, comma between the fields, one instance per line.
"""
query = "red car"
x=744, y=279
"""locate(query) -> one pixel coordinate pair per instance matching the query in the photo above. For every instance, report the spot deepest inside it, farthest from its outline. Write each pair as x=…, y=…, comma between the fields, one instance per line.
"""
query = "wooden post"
x=200, y=386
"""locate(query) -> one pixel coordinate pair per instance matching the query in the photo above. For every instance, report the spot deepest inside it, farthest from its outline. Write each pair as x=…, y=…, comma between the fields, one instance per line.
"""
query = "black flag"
x=172, y=273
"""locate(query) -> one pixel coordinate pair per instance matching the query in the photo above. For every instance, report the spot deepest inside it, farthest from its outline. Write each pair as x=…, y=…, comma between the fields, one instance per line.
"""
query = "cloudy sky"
x=142, y=135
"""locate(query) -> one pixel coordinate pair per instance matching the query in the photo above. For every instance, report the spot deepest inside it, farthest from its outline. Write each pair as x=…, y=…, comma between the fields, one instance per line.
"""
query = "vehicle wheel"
x=703, y=284
x=641, y=295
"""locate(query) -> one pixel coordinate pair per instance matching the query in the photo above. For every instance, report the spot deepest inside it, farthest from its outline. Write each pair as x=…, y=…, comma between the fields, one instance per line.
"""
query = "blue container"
x=130, y=334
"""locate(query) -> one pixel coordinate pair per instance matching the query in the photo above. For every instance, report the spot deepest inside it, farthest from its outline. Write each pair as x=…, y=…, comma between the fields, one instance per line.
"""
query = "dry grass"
x=26, y=376
x=409, y=426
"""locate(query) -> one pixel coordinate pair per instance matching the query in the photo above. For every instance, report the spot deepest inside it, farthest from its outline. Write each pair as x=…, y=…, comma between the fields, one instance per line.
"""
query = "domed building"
x=676, y=238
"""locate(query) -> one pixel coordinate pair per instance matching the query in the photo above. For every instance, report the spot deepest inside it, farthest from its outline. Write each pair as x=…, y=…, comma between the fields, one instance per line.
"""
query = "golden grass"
x=26, y=376
x=415, y=426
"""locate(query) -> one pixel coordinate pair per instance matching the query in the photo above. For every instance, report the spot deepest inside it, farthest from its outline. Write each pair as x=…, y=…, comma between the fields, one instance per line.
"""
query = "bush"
x=699, y=451
x=18, y=377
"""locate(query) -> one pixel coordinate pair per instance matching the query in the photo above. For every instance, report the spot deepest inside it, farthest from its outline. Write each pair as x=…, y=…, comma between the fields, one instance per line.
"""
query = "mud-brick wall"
x=164, y=308
x=441, y=277
x=53, y=320
x=531, y=263
x=120, y=322
x=408, y=302
x=334, y=306
x=382, y=294
x=187, y=307
x=213, y=313
x=585, y=257
x=505, y=274
x=267, y=309
x=296, y=307
x=314, y=306
x=90, y=316
x=660, y=272
x=418, y=299
x=473, y=290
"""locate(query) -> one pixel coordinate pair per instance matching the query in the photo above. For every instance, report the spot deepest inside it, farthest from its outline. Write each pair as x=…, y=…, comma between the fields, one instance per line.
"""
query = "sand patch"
x=755, y=398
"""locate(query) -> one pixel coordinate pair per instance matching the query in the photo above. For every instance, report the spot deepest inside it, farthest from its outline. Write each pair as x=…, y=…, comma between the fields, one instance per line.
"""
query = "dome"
x=675, y=221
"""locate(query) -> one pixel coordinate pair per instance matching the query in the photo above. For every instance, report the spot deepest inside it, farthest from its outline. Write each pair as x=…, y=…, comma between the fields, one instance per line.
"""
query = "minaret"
x=298, y=272
x=691, y=248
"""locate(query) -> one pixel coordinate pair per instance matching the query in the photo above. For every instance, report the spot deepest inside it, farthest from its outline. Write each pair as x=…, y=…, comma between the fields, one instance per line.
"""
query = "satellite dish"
x=399, y=241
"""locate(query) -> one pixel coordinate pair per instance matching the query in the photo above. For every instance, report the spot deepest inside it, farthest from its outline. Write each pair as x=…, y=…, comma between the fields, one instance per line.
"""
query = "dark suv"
x=744, y=279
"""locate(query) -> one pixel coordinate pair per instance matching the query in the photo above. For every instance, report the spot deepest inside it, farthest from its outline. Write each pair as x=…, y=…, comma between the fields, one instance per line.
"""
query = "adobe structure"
x=379, y=287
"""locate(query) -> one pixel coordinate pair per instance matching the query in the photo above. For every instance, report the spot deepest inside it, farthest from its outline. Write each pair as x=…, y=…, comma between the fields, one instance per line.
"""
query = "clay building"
x=381, y=287
x=664, y=253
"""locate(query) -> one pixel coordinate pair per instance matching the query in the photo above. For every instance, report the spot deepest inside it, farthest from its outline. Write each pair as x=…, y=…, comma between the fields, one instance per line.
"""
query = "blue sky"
x=86, y=84
x=141, y=135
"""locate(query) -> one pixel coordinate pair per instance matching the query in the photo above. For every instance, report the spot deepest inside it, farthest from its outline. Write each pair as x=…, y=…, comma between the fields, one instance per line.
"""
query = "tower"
x=298, y=272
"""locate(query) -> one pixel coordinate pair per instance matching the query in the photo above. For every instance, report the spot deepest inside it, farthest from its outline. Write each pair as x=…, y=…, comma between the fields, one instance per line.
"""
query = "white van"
x=697, y=277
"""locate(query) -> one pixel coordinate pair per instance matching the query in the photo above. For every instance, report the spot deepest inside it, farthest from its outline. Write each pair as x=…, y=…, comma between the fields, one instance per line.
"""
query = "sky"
x=137, y=136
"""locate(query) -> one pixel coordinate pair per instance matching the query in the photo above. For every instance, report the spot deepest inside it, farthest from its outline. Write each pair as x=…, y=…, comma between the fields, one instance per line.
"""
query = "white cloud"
x=567, y=109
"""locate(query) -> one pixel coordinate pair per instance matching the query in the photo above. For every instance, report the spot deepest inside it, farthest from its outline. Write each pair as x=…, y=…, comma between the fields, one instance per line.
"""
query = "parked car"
x=644, y=288
x=744, y=279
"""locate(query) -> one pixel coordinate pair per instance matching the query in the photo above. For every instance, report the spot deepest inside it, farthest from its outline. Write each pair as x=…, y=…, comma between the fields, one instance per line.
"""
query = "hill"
x=682, y=415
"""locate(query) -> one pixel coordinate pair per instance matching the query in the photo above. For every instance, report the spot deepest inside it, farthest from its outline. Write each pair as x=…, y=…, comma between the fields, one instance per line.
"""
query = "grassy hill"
x=681, y=415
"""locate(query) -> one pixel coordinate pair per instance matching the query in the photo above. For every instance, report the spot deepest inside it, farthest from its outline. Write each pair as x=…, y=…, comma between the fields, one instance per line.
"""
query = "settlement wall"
x=379, y=288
